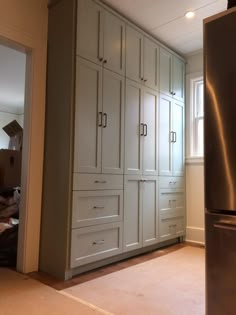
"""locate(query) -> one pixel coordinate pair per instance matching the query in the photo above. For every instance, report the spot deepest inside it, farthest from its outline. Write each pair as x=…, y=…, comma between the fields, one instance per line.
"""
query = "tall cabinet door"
x=151, y=64
x=178, y=78
x=165, y=72
x=88, y=118
x=150, y=211
x=165, y=136
x=132, y=213
x=114, y=43
x=178, y=142
x=150, y=138
x=90, y=31
x=113, y=123
x=133, y=128
x=134, y=54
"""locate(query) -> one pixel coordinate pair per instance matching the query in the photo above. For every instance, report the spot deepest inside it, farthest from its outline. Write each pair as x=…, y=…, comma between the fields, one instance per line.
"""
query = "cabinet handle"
x=100, y=181
x=171, y=136
x=105, y=123
x=98, y=242
x=146, y=130
x=145, y=80
x=105, y=61
x=141, y=129
x=95, y=207
x=100, y=59
x=174, y=93
x=143, y=180
x=100, y=119
x=175, y=137
x=142, y=79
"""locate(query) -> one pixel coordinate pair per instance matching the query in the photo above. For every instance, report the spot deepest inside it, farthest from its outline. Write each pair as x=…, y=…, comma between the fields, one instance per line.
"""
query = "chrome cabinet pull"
x=171, y=136
x=100, y=181
x=100, y=119
x=98, y=242
x=175, y=137
x=105, y=123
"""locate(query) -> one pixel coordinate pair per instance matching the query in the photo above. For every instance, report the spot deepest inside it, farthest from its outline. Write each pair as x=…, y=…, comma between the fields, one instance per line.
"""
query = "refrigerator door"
x=220, y=112
x=220, y=264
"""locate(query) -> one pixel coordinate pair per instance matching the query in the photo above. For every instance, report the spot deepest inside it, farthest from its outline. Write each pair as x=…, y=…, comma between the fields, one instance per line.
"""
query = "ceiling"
x=12, y=80
x=166, y=21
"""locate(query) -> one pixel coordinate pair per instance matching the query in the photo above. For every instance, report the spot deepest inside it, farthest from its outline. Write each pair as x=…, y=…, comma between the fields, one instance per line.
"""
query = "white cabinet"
x=99, y=120
x=100, y=36
x=172, y=75
x=142, y=59
x=140, y=211
x=141, y=130
x=171, y=137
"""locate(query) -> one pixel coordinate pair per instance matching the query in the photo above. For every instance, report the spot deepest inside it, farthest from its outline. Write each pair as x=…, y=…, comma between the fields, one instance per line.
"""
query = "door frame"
x=33, y=143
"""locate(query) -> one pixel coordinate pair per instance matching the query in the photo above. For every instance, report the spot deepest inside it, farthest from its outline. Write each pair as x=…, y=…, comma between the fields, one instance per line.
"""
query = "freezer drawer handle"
x=227, y=225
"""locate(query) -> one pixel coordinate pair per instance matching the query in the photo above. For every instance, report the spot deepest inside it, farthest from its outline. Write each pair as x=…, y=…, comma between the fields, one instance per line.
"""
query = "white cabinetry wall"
x=125, y=138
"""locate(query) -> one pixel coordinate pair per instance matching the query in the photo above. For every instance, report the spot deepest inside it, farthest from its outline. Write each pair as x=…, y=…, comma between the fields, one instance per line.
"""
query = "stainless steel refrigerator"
x=220, y=162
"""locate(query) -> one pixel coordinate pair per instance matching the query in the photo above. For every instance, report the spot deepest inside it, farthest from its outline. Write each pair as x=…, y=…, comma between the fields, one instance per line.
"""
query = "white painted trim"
x=195, y=235
x=194, y=160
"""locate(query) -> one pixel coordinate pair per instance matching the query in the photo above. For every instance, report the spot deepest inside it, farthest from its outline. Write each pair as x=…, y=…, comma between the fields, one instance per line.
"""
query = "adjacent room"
x=135, y=199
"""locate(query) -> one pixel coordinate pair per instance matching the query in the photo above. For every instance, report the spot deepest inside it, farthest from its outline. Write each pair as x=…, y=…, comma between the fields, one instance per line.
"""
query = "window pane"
x=200, y=137
x=199, y=99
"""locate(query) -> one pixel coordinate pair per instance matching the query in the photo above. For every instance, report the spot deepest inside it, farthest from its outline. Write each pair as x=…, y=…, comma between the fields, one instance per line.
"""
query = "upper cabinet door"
x=178, y=78
x=165, y=136
x=150, y=138
x=133, y=128
x=113, y=123
x=114, y=43
x=88, y=117
x=90, y=31
x=178, y=138
x=151, y=64
x=165, y=72
x=134, y=54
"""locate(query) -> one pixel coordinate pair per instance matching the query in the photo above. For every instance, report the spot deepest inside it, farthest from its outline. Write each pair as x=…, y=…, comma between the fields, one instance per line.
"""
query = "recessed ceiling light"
x=189, y=14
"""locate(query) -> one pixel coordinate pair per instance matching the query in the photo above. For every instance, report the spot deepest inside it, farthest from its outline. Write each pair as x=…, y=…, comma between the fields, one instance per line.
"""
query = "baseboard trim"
x=195, y=235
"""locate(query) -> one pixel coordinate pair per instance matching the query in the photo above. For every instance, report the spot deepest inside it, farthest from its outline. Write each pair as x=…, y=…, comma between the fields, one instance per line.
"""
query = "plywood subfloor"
x=169, y=285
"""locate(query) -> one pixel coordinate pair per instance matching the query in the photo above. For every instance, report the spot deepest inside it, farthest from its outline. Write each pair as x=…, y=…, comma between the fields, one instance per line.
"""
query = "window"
x=197, y=117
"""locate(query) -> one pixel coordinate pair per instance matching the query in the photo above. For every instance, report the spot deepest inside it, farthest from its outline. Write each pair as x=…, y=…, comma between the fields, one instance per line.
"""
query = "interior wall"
x=23, y=24
x=194, y=168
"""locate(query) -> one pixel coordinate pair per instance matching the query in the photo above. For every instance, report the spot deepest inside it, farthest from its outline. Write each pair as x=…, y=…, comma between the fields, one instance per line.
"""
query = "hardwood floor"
x=61, y=285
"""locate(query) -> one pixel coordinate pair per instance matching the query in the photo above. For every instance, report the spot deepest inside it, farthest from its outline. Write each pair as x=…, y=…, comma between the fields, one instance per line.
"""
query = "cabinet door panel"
x=133, y=118
x=113, y=133
x=150, y=140
x=151, y=64
x=150, y=211
x=87, y=148
x=132, y=213
x=114, y=43
x=178, y=145
x=134, y=54
x=165, y=145
x=165, y=72
x=178, y=78
x=90, y=30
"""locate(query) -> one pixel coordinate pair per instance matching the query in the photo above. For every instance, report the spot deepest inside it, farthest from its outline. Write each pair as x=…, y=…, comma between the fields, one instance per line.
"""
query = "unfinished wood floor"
x=61, y=285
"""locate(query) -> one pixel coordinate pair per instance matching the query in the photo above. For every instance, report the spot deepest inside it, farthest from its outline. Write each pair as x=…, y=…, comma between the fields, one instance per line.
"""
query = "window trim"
x=191, y=157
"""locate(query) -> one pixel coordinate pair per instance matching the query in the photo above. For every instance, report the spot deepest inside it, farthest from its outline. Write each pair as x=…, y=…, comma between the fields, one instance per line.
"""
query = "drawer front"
x=95, y=243
x=171, y=227
x=171, y=201
x=97, y=182
x=171, y=182
x=96, y=207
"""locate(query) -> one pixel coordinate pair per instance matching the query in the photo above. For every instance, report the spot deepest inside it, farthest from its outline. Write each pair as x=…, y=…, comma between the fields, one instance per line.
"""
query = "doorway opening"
x=13, y=65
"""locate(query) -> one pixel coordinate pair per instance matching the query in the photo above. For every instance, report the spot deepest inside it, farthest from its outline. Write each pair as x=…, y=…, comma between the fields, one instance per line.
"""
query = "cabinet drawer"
x=95, y=243
x=96, y=207
x=171, y=201
x=97, y=182
x=171, y=227
x=171, y=182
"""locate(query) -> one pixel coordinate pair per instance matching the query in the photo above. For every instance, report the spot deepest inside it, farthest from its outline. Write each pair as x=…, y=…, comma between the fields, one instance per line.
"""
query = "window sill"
x=195, y=160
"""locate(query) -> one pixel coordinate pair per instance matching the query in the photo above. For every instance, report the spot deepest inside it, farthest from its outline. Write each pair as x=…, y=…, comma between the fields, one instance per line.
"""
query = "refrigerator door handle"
x=225, y=224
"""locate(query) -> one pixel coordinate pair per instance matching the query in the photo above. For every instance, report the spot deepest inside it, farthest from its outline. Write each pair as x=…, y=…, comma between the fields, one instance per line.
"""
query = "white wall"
x=194, y=169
